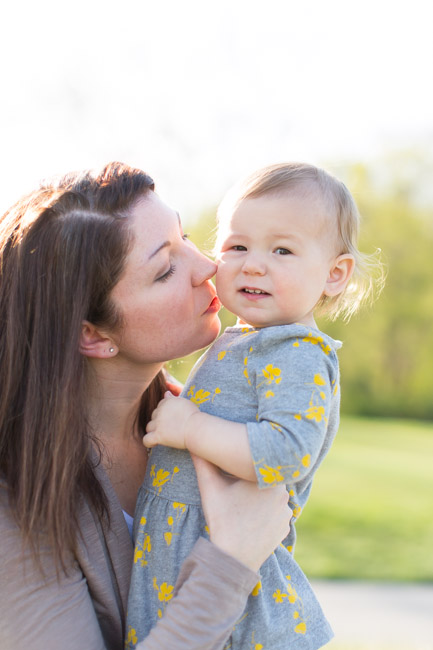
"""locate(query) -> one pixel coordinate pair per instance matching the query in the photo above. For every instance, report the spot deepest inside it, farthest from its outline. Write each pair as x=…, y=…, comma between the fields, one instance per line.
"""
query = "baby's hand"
x=169, y=423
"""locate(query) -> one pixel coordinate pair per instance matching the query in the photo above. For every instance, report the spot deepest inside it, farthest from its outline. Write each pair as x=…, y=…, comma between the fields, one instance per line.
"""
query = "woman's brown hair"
x=62, y=250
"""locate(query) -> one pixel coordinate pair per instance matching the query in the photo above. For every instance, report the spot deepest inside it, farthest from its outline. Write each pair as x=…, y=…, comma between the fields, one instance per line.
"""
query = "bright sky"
x=199, y=93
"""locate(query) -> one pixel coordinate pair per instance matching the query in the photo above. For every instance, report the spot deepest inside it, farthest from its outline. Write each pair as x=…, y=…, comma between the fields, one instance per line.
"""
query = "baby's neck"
x=308, y=322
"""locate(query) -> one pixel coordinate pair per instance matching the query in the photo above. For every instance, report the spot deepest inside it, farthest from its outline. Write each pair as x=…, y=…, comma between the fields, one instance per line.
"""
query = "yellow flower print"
x=269, y=394
x=199, y=397
x=276, y=427
x=317, y=340
x=316, y=413
x=161, y=477
x=279, y=596
x=165, y=592
x=255, y=591
x=314, y=340
x=254, y=645
x=245, y=370
x=180, y=509
x=293, y=597
x=131, y=639
x=217, y=391
x=305, y=462
x=141, y=548
x=221, y=355
x=291, y=594
x=298, y=417
x=301, y=628
x=318, y=380
x=271, y=474
x=272, y=374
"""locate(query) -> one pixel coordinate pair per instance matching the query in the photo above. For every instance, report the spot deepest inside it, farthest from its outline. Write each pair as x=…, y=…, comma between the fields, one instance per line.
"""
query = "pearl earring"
x=111, y=350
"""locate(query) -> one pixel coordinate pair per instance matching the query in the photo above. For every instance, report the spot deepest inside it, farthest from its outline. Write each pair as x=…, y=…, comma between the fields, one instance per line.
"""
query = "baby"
x=263, y=402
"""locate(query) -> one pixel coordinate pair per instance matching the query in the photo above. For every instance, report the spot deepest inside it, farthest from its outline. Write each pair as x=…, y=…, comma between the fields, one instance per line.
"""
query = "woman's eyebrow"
x=163, y=245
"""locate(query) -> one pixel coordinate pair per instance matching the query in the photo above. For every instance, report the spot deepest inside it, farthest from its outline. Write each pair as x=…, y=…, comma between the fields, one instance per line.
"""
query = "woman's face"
x=167, y=301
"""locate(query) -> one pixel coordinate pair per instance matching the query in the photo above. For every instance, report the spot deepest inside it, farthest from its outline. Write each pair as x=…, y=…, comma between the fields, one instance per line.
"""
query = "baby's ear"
x=339, y=275
x=94, y=343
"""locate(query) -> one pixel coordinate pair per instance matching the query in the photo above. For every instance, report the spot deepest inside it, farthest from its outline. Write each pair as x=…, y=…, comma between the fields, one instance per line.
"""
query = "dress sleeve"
x=294, y=381
x=210, y=596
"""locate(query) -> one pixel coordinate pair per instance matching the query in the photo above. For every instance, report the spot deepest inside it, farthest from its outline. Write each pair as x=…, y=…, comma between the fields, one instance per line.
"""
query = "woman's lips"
x=214, y=306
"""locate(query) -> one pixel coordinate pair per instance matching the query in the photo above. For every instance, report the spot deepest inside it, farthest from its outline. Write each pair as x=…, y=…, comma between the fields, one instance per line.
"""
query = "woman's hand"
x=169, y=423
x=243, y=521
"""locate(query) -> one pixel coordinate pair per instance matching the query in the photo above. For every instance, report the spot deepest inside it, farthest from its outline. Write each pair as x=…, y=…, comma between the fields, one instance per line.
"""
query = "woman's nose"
x=254, y=265
x=202, y=268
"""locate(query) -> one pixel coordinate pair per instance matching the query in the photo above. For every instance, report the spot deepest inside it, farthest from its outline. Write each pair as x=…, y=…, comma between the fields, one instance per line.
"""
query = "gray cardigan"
x=86, y=610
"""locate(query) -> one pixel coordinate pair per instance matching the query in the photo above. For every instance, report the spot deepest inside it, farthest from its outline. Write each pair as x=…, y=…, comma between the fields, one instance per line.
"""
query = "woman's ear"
x=94, y=343
x=339, y=275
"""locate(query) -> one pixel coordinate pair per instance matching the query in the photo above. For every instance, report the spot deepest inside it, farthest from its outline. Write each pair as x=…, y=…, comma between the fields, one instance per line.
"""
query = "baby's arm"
x=177, y=422
x=294, y=384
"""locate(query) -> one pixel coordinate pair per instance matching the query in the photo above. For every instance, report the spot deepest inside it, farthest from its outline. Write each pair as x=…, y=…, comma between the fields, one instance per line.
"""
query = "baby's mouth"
x=255, y=291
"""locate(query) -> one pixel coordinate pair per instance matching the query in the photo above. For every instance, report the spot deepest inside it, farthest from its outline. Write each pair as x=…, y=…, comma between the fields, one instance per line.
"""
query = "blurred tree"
x=387, y=357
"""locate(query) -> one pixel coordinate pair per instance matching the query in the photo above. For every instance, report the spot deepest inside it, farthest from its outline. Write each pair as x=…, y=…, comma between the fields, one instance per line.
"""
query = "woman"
x=98, y=288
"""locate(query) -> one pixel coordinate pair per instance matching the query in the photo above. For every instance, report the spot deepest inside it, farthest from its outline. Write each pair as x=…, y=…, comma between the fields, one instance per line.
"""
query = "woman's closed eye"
x=167, y=274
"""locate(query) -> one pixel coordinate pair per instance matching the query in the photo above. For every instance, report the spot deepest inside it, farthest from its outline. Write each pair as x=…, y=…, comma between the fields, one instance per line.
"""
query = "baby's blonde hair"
x=368, y=275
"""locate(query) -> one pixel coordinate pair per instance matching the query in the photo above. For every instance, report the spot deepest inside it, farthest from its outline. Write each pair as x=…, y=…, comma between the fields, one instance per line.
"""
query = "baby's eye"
x=239, y=247
x=282, y=251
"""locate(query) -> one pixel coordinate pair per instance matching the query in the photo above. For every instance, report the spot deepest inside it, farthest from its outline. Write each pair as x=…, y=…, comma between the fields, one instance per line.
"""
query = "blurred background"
x=199, y=94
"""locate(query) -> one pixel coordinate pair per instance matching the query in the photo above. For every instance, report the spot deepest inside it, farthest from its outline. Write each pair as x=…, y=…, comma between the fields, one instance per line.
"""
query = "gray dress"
x=283, y=382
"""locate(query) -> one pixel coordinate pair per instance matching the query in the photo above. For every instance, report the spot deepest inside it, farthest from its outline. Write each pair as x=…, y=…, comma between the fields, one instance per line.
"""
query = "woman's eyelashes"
x=167, y=274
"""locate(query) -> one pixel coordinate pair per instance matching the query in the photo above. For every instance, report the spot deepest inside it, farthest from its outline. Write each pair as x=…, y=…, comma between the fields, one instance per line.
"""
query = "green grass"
x=370, y=513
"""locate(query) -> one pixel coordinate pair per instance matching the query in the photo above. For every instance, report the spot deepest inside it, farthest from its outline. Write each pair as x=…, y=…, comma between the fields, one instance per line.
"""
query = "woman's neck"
x=114, y=399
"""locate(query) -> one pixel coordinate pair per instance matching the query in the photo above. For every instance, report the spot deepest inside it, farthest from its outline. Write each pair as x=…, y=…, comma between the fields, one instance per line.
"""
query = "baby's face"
x=276, y=258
